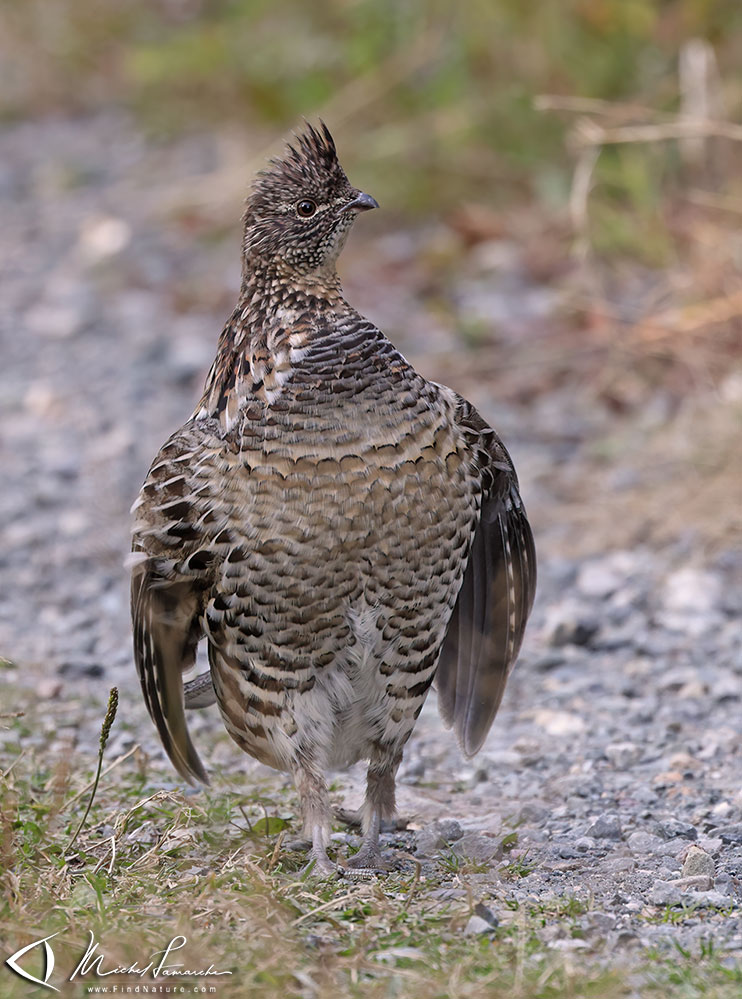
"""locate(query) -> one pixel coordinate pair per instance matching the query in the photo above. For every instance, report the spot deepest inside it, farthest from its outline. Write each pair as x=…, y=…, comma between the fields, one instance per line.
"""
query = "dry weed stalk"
x=113, y=701
x=699, y=121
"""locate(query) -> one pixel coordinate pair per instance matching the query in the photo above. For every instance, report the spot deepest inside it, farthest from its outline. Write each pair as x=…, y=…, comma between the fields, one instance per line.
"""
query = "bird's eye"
x=306, y=208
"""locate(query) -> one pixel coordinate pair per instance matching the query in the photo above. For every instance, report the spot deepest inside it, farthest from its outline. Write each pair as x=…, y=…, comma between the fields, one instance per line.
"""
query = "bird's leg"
x=379, y=804
x=315, y=813
x=352, y=817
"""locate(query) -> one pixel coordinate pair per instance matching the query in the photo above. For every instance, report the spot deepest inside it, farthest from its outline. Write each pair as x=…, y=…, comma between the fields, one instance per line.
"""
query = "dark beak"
x=361, y=203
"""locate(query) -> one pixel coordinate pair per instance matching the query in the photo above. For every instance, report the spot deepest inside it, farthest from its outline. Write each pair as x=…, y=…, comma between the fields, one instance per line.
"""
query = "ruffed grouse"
x=342, y=531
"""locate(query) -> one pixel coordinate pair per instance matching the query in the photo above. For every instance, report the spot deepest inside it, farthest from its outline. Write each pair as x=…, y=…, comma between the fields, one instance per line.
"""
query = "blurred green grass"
x=437, y=97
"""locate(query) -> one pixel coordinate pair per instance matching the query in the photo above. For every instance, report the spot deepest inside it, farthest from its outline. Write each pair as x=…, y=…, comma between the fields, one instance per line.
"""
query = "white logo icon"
x=12, y=962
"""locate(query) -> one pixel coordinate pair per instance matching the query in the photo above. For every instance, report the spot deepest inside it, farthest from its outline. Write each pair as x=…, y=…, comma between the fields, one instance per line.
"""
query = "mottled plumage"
x=340, y=530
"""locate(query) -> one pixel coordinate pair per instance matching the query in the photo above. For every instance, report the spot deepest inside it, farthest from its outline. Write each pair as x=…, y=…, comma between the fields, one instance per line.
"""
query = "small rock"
x=698, y=862
x=622, y=939
x=297, y=845
x=568, y=852
x=711, y=844
x=436, y=836
x=669, y=868
x=727, y=689
x=731, y=833
x=569, y=943
x=548, y=661
x=480, y=776
x=533, y=812
x=477, y=847
x=414, y=770
x=691, y=591
x=449, y=829
x=530, y=752
x=691, y=602
x=606, y=826
x=448, y=893
x=559, y=722
x=618, y=865
x=698, y=882
x=598, y=922
x=644, y=843
x=478, y=927
x=623, y=754
x=597, y=579
x=48, y=688
x=673, y=828
x=569, y=623
x=77, y=670
x=575, y=631
x=585, y=843
x=726, y=883
x=710, y=899
x=665, y=893
x=613, y=639
x=103, y=236
x=389, y=956
x=693, y=691
x=56, y=321
x=722, y=809
x=485, y=913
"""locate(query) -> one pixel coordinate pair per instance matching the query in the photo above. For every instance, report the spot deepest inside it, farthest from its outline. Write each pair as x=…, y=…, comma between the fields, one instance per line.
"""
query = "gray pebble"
x=477, y=847
x=478, y=927
x=691, y=591
x=710, y=899
x=711, y=844
x=437, y=836
x=673, y=828
x=449, y=893
x=598, y=579
x=585, y=843
x=698, y=862
x=643, y=843
x=623, y=754
x=449, y=829
x=549, y=661
x=665, y=893
x=532, y=812
x=575, y=632
x=730, y=833
x=598, y=922
x=617, y=865
x=484, y=912
x=606, y=826
x=414, y=770
x=79, y=670
x=697, y=882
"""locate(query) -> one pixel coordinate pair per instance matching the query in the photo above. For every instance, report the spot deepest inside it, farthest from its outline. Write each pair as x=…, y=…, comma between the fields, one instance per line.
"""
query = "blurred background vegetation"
x=439, y=96
x=561, y=183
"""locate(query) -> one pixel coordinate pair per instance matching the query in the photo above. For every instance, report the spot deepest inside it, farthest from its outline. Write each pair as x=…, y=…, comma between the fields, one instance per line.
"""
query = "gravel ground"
x=616, y=757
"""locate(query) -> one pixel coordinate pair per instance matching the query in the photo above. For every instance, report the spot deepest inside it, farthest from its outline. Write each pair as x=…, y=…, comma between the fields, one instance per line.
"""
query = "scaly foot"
x=321, y=866
x=368, y=862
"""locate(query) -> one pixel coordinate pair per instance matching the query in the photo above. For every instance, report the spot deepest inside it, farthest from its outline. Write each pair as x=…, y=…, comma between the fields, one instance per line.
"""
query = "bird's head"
x=301, y=208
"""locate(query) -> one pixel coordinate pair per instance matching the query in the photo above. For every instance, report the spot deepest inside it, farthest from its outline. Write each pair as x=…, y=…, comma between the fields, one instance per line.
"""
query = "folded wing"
x=170, y=580
x=489, y=619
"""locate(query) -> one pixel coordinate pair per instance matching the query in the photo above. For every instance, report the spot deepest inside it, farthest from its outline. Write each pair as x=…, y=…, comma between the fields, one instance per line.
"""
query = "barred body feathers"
x=341, y=531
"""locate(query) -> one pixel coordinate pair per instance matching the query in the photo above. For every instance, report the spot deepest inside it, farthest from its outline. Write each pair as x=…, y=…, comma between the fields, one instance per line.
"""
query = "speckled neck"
x=275, y=319
x=266, y=291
